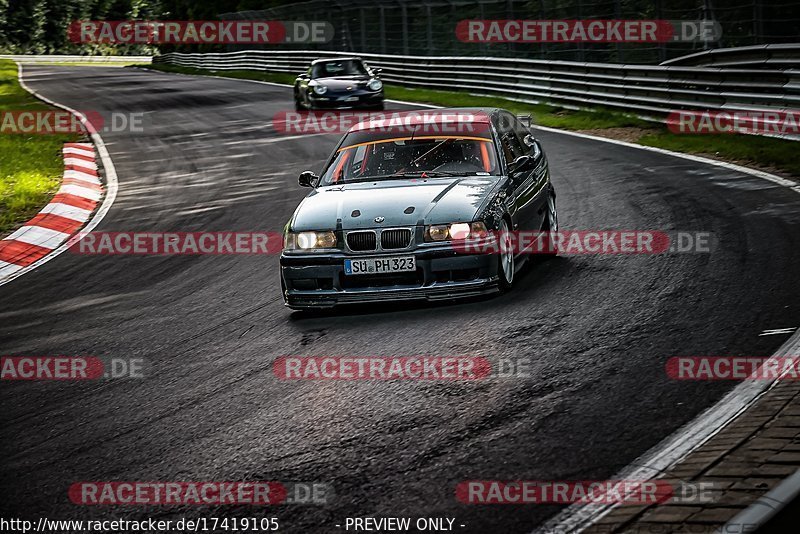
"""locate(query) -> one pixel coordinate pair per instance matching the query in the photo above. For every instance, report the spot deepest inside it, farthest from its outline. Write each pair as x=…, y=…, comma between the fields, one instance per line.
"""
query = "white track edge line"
x=691, y=157
x=112, y=184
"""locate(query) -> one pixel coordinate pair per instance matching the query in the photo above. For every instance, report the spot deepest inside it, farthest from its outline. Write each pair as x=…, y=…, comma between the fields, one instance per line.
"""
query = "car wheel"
x=505, y=258
x=551, y=225
x=298, y=106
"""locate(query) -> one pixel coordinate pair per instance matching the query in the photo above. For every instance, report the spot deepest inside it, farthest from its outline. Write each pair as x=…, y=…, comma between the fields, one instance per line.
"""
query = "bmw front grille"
x=395, y=238
x=361, y=241
x=390, y=239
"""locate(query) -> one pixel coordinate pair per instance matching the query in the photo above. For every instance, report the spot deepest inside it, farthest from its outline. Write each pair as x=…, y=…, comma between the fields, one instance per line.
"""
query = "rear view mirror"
x=307, y=179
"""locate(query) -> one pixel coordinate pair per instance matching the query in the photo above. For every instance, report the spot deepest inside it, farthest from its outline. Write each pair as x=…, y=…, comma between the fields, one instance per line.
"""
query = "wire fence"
x=428, y=27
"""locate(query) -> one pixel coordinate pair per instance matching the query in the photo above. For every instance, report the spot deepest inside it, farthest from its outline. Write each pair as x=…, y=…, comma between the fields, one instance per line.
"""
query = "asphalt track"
x=595, y=330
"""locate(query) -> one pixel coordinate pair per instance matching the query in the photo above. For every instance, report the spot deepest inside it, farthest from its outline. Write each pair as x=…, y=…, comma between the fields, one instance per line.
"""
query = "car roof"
x=328, y=60
x=422, y=117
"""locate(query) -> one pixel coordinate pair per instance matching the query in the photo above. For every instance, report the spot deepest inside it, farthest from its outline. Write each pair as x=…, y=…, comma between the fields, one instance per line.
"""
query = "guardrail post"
x=383, y=28
x=758, y=21
x=429, y=29
x=618, y=15
x=363, y=20
x=662, y=47
x=404, y=26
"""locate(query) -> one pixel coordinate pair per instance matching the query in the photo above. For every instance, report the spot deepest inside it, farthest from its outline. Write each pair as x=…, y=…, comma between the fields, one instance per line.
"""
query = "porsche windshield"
x=331, y=69
x=408, y=156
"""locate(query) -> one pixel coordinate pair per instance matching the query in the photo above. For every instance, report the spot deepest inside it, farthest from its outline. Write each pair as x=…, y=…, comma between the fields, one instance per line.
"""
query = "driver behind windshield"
x=408, y=157
x=331, y=69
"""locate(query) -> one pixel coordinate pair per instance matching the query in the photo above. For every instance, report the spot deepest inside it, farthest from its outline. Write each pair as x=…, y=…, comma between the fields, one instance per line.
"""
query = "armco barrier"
x=773, y=56
x=650, y=91
x=111, y=60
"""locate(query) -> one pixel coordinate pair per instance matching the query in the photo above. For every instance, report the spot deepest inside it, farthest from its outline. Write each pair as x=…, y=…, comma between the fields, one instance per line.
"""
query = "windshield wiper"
x=407, y=174
x=431, y=174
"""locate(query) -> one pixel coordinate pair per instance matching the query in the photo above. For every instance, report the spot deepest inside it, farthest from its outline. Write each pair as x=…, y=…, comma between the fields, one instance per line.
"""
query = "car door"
x=523, y=180
x=538, y=192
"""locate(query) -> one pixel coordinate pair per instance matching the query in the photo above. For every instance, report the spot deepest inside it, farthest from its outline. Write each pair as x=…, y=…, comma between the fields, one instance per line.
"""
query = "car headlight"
x=309, y=240
x=375, y=85
x=455, y=231
x=320, y=89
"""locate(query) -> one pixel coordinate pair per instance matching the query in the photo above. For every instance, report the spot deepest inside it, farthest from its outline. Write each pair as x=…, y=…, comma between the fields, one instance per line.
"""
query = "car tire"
x=550, y=226
x=505, y=258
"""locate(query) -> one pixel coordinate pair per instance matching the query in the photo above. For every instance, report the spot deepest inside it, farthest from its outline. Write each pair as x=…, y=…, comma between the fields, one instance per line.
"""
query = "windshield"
x=330, y=69
x=412, y=157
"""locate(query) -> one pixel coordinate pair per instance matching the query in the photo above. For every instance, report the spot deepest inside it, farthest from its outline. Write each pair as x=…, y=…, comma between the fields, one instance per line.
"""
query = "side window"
x=512, y=147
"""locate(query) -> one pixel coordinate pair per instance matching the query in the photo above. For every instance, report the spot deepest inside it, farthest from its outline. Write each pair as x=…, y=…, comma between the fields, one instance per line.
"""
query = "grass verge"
x=775, y=155
x=275, y=77
x=31, y=166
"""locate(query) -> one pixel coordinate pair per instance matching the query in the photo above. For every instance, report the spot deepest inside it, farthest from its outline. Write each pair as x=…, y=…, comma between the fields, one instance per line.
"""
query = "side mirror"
x=377, y=71
x=520, y=164
x=307, y=179
x=536, y=148
x=303, y=76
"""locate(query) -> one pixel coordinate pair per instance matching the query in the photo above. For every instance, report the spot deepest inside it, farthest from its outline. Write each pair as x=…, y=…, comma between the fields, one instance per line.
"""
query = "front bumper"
x=318, y=281
x=340, y=100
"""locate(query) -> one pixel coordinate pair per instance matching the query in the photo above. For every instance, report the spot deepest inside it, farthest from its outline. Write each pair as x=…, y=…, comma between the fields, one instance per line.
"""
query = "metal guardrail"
x=776, y=56
x=77, y=59
x=650, y=91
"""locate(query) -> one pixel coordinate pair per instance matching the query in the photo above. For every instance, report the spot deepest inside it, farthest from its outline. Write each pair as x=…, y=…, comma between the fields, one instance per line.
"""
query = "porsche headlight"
x=319, y=88
x=455, y=231
x=375, y=85
x=309, y=240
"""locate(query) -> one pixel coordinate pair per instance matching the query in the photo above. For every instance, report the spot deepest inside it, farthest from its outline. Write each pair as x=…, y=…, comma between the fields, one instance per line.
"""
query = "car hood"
x=434, y=201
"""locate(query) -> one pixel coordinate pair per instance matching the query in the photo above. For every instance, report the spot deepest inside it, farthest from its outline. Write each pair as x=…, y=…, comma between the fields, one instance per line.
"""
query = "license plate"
x=351, y=99
x=394, y=264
